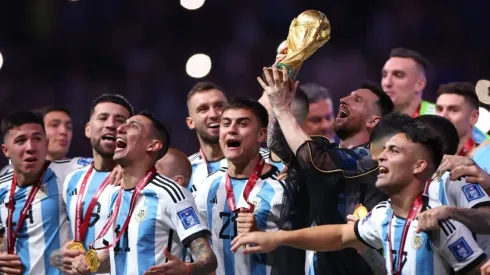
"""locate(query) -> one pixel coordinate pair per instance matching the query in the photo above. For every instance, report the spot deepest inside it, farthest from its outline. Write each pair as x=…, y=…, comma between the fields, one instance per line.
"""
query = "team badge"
x=256, y=205
x=461, y=250
x=473, y=192
x=140, y=216
x=417, y=241
x=188, y=217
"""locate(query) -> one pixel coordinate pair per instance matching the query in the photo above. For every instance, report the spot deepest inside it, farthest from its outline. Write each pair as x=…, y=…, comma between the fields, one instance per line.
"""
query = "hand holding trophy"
x=307, y=33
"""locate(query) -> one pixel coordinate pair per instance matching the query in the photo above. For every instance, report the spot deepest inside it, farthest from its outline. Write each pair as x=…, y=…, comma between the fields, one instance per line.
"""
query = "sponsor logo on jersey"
x=461, y=250
x=188, y=217
x=473, y=192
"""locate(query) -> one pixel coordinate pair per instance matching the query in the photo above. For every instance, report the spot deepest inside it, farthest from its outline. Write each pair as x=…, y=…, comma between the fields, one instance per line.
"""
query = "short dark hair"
x=464, y=89
x=389, y=125
x=300, y=106
x=422, y=134
x=161, y=132
x=112, y=98
x=315, y=92
x=384, y=102
x=249, y=104
x=50, y=108
x=18, y=119
x=445, y=129
x=202, y=87
x=415, y=56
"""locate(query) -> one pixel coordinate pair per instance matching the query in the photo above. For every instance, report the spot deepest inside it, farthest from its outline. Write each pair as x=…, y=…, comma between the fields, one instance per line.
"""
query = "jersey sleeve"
x=184, y=218
x=368, y=229
x=456, y=245
x=466, y=195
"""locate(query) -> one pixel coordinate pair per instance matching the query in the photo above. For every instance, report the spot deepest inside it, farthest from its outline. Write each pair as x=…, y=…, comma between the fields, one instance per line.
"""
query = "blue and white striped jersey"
x=461, y=194
x=266, y=155
x=165, y=215
x=200, y=171
x=101, y=210
x=481, y=157
x=267, y=196
x=70, y=164
x=46, y=227
x=452, y=248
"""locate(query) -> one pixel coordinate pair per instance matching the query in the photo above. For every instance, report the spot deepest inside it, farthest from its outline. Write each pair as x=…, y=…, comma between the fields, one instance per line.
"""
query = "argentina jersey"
x=201, y=169
x=462, y=194
x=45, y=228
x=165, y=215
x=481, y=157
x=266, y=195
x=451, y=249
x=100, y=212
x=265, y=153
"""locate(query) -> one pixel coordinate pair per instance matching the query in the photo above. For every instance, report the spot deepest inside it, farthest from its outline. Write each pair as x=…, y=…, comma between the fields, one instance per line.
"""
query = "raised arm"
x=276, y=141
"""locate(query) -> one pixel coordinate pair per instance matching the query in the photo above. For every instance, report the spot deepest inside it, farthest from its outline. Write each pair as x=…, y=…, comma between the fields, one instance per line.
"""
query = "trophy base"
x=281, y=77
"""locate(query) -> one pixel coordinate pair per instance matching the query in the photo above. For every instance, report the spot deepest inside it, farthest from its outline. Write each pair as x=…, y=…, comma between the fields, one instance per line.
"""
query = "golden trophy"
x=307, y=33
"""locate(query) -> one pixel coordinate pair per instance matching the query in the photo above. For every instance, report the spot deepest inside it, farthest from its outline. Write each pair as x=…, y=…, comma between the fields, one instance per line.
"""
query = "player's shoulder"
x=76, y=174
x=6, y=178
x=196, y=157
x=6, y=169
x=218, y=174
x=167, y=189
x=377, y=214
x=271, y=177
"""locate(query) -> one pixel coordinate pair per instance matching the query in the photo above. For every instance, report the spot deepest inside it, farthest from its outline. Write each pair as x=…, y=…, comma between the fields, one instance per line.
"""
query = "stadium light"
x=198, y=65
x=1, y=60
x=483, y=122
x=192, y=4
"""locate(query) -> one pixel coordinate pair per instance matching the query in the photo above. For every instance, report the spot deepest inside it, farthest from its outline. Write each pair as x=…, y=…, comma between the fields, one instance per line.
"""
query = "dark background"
x=67, y=53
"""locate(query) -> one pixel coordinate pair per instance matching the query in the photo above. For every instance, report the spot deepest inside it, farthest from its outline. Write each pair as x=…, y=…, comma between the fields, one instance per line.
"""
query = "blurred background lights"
x=198, y=65
x=192, y=4
x=483, y=120
x=1, y=60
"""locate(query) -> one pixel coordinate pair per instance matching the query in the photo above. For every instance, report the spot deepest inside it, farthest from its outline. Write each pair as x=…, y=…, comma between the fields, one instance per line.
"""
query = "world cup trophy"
x=307, y=33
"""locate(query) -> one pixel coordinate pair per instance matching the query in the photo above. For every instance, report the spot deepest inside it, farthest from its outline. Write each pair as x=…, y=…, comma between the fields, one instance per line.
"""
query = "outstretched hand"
x=279, y=93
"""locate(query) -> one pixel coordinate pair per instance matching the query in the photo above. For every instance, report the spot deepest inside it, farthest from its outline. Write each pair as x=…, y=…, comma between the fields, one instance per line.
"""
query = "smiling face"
x=456, y=109
x=240, y=134
x=102, y=127
x=205, y=109
x=59, y=131
x=26, y=146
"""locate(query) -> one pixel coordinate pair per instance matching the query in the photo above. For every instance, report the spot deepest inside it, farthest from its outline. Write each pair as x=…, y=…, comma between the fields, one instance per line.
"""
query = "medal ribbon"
x=417, y=112
x=82, y=224
x=468, y=145
x=12, y=234
x=141, y=184
x=414, y=210
x=230, y=196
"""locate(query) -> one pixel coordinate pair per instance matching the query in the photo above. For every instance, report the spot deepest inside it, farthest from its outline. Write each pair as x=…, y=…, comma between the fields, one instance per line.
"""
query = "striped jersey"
x=70, y=164
x=45, y=228
x=71, y=191
x=461, y=194
x=452, y=248
x=165, y=215
x=265, y=153
x=266, y=195
x=200, y=170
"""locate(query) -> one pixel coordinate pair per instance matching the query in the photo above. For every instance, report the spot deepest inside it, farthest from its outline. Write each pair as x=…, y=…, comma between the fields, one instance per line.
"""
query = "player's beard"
x=207, y=138
x=100, y=149
x=346, y=130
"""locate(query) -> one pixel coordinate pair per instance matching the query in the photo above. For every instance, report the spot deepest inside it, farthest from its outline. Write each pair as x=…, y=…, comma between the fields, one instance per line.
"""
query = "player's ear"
x=5, y=150
x=373, y=120
x=190, y=123
x=420, y=166
x=262, y=135
x=87, y=130
x=475, y=114
x=155, y=145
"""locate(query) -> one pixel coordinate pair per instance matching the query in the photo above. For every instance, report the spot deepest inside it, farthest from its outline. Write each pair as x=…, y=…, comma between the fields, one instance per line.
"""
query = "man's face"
x=397, y=163
x=401, y=80
x=457, y=110
x=59, y=131
x=240, y=134
x=355, y=111
x=26, y=146
x=102, y=127
x=320, y=118
x=205, y=110
x=133, y=139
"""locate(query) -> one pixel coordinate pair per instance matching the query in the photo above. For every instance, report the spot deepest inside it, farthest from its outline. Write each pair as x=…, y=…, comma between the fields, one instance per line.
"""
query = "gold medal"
x=76, y=246
x=92, y=260
x=360, y=211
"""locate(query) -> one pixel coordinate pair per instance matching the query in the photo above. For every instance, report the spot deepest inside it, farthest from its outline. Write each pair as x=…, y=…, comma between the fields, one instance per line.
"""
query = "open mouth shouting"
x=233, y=144
x=120, y=144
x=343, y=112
x=382, y=171
x=109, y=139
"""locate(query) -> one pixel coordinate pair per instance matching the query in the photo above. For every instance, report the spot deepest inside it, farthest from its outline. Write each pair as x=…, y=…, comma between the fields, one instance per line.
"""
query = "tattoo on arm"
x=56, y=259
x=277, y=142
x=204, y=258
x=477, y=220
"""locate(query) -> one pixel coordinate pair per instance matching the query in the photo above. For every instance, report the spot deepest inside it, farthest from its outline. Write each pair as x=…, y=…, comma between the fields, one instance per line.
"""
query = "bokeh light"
x=198, y=65
x=192, y=4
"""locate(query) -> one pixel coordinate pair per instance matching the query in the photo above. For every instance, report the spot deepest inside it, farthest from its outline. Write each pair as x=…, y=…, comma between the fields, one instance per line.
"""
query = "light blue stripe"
x=312, y=265
x=481, y=158
x=397, y=241
x=213, y=190
x=50, y=206
x=214, y=166
x=120, y=256
x=22, y=241
x=146, y=233
x=193, y=178
x=384, y=233
x=424, y=258
x=442, y=192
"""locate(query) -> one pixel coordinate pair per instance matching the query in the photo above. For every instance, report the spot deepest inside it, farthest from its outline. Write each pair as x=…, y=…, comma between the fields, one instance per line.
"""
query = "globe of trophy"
x=307, y=33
